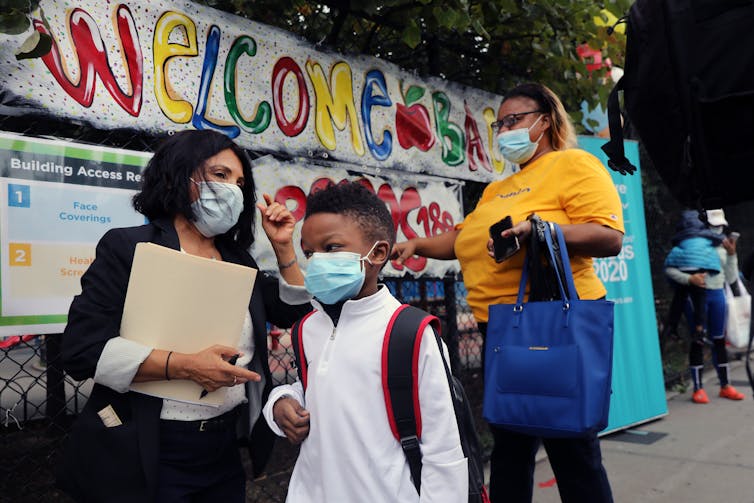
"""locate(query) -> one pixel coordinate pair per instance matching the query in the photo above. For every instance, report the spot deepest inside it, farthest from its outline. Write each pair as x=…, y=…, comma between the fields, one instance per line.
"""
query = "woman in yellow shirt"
x=560, y=184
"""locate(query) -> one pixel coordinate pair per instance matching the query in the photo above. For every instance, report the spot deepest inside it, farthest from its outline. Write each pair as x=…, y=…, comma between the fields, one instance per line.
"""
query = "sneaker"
x=731, y=393
x=700, y=396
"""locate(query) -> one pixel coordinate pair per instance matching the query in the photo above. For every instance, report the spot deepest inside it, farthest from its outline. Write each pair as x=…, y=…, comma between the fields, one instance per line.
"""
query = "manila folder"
x=180, y=302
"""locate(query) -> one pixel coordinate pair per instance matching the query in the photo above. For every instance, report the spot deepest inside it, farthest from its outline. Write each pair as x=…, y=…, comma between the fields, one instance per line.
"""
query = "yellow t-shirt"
x=567, y=187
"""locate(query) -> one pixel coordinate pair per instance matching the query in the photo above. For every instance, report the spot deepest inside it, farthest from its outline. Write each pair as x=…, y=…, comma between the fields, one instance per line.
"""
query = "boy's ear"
x=380, y=253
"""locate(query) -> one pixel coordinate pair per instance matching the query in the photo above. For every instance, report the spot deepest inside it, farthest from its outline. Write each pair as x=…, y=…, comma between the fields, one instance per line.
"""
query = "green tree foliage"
x=487, y=44
x=14, y=15
x=15, y=20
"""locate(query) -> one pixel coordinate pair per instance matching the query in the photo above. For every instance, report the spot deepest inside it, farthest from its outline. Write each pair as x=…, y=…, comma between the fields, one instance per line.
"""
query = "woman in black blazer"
x=198, y=195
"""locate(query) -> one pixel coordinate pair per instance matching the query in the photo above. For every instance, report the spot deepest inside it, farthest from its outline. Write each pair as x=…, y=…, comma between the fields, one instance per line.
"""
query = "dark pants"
x=716, y=308
x=681, y=293
x=199, y=466
x=576, y=463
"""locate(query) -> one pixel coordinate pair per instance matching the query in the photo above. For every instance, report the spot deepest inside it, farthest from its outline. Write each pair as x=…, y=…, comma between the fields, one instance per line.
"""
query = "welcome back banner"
x=157, y=66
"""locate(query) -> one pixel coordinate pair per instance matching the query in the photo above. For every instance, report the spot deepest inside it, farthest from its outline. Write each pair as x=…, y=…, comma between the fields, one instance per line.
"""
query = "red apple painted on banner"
x=412, y=123
x=413, y=127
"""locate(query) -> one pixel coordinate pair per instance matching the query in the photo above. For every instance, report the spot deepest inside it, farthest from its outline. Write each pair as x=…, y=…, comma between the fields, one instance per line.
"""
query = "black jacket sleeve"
x=95, y=314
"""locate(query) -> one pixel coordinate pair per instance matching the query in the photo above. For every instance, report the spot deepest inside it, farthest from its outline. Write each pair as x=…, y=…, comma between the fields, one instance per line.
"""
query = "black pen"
x=232, y=361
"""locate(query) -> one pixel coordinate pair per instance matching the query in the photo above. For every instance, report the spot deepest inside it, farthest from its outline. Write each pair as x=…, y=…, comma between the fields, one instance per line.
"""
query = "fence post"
x=55, y=406
x=451, y=322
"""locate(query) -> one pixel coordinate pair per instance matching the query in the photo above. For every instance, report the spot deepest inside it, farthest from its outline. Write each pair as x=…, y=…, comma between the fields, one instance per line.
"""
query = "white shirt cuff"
x=119, y=362
x=276, y=394
x=293, y=295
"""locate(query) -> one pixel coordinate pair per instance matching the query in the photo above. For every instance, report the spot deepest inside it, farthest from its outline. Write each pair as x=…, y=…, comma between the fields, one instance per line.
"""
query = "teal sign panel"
x=638, y=383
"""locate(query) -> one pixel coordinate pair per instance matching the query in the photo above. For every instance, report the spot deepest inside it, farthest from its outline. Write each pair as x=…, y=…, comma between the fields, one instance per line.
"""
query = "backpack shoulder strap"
x=616, y=155
x=400, y=380
x=297, y=342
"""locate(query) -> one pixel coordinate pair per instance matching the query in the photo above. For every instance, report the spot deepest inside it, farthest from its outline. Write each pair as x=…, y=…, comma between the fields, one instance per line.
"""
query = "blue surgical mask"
x=516, y=146
x=218, y=207
x=336, y=276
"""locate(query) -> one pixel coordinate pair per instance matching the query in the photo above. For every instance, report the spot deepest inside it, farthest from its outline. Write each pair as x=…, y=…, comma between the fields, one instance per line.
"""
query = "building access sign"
x=57, y=199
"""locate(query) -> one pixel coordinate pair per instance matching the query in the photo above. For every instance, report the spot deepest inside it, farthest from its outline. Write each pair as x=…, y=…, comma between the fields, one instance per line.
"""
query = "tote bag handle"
x=557, y=254
x=556, y=245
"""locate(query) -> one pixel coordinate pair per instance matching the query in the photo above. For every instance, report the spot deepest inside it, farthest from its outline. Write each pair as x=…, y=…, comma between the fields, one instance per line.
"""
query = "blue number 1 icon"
x=19, y=195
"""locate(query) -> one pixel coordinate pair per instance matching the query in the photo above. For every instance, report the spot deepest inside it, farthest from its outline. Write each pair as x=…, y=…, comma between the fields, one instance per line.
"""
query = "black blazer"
x=117, y=464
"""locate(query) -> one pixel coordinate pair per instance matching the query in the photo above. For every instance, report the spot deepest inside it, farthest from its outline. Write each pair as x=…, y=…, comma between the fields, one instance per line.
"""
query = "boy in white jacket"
x=348, y=451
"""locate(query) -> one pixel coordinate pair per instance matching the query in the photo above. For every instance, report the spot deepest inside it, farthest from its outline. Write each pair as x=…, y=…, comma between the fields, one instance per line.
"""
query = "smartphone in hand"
x=504, y=248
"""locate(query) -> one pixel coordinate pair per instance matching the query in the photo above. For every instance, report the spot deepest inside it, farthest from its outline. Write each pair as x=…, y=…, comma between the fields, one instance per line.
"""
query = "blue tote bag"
x=548, y=364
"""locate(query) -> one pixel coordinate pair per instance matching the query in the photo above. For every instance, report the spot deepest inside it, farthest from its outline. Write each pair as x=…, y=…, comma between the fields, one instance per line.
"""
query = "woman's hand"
x=403, y=251
x=277, y=221
x=292, y=418
x=210, y=369
x=697, y=279
x=437, y=247
x=521, y=230
x=729, y=245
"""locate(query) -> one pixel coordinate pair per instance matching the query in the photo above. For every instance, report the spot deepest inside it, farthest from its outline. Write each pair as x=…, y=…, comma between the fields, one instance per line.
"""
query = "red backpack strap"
x=297, y=342
x=400, y=380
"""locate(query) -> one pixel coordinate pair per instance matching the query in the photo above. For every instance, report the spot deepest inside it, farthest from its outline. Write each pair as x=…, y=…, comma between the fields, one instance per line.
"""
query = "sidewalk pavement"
x=695, y=454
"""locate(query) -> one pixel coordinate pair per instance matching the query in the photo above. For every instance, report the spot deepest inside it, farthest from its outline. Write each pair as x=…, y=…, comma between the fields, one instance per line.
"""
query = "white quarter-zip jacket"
x=350, y=454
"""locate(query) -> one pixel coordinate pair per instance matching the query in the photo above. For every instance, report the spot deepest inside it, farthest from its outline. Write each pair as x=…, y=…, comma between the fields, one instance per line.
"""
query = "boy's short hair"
x=359, y=203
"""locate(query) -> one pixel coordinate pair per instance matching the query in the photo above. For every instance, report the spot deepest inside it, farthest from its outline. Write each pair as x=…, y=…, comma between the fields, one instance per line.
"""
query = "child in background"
x=348, y=451
x=694, y=254
x=714, y=305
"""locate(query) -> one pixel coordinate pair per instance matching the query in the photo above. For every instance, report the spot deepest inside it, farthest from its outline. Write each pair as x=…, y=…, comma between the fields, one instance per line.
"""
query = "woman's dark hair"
x=358, y=202
x=165, y=183
x=561, y=132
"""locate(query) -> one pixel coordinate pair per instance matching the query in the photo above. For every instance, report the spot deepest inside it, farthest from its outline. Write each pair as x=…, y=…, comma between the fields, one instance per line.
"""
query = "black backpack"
x=399, y=358
x=688, y=91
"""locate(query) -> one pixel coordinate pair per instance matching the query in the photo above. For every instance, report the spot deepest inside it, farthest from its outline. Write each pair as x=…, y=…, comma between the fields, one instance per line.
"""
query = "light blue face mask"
x=516, y=146
x=336, y=276
x=218, y=207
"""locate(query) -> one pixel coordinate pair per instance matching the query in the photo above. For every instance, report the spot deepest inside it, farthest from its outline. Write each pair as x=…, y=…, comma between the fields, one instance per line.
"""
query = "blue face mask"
x=336, y=276
x=218, y=207
x=516, y=146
